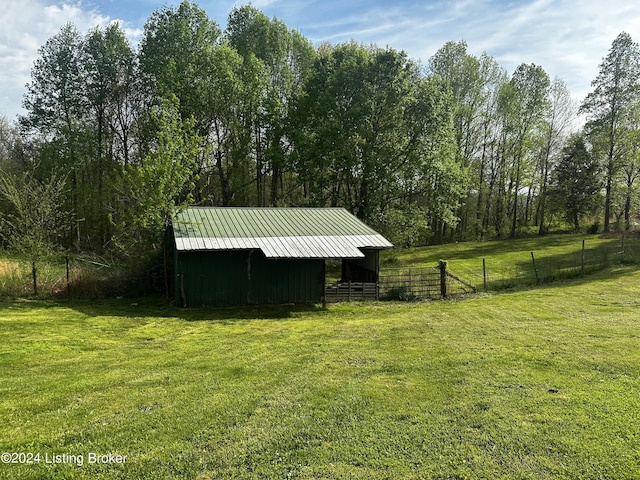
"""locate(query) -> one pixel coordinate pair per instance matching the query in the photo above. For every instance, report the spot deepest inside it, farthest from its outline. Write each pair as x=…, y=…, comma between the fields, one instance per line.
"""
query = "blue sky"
x=568, y=38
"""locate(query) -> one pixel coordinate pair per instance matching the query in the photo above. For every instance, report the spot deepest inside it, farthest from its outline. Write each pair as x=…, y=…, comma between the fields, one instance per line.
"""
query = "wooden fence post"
x=34, y=274
x=484, y=274
x=443, y=278
x=582, y=259
x=535, y=270
x=68, y=283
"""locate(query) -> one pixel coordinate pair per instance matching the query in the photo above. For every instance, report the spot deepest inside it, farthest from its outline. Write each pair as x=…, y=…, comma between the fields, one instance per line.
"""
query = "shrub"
x=400, y=293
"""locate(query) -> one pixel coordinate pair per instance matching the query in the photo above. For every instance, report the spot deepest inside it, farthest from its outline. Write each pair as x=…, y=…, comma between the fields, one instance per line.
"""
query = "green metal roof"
x=278, y=232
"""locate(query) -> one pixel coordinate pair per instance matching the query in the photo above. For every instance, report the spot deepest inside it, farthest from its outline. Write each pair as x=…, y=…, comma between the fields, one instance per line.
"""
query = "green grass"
x=533, y=384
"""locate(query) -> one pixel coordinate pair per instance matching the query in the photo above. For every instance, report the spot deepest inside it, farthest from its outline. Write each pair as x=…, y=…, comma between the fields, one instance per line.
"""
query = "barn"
x=238, y=256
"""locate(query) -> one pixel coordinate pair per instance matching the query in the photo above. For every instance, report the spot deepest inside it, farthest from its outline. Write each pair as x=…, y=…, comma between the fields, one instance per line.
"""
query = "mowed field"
x=533, y=384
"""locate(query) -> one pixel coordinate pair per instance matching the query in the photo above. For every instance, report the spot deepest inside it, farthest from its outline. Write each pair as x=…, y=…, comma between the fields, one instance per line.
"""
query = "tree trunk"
x=607, y=199
x=627, y=212
x=514, y=221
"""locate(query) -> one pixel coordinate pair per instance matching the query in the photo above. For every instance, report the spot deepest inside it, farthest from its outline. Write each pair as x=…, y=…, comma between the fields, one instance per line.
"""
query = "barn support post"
x=184, y=297
x=324, y=283
x=377, y=254
x=249, y=293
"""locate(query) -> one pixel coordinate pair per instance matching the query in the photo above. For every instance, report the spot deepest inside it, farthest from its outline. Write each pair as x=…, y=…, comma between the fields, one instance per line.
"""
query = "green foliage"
x=53, y=100
x=616, y=91
x=35, y=220
x=400, y=294
x=375, y=135
x=404, y=227
x=154, y=190
x=175, y=54
x=576, y=182
x=285, y=58
x=468, y=148
x=522, y=104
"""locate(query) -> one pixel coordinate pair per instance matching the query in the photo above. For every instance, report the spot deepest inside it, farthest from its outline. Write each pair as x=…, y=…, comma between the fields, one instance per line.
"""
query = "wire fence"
x=75, y=277
x=515, y=270
x=541, y=268
x=422, y=283
x=97, y=277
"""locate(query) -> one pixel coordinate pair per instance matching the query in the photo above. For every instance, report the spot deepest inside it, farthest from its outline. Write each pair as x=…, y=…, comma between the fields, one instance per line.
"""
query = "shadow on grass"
x=162, y=308
x=253, y=312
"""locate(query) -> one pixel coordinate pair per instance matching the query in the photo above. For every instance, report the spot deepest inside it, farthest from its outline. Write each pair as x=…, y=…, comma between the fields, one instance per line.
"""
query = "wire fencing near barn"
x=76, y=276
x=532, y=268
x=422, y=283
x=522, y=269
x=96, y=277
x=84, y=276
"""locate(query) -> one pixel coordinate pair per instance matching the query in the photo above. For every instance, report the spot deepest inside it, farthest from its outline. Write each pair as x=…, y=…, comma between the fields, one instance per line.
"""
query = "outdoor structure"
x=237, y=256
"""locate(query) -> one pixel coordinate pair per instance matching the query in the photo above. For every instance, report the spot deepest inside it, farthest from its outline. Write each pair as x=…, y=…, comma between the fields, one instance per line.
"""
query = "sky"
x=568, y=38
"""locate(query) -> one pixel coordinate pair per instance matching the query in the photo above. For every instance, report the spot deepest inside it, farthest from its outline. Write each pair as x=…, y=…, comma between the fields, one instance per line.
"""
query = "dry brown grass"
x=9, y=268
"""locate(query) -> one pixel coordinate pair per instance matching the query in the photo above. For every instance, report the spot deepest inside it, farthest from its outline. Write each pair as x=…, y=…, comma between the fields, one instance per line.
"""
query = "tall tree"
x=54, y=100
x=630, y=162
x=463, y=73
x=376, y=136
x=108, y=64
x=576, y=183
x=615, y=88
x=35, y=218
x=56, y=110
x=156, y=188
x=524, y=101
x=175, y=52
x=237, y=86
x=474, y=84
x=558, y=120
x=287, y=58
x=490, y=161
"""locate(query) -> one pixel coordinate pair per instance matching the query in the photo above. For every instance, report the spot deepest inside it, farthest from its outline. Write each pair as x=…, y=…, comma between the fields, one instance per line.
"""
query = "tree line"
x=115, y=139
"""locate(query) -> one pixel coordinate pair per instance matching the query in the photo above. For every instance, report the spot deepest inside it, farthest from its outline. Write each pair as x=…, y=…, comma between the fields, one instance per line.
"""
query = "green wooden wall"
x=226, y=278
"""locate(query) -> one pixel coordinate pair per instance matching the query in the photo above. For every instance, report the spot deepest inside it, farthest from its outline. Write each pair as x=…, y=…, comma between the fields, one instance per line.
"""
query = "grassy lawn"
x=533, y=384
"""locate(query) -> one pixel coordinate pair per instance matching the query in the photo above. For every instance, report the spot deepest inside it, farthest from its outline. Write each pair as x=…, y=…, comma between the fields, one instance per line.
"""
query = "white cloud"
x=568, y=38
x=27, y=25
